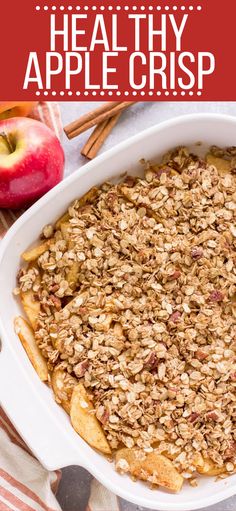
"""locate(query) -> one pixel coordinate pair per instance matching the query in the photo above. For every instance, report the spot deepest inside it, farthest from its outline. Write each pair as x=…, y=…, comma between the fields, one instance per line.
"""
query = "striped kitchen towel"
x=24, y=484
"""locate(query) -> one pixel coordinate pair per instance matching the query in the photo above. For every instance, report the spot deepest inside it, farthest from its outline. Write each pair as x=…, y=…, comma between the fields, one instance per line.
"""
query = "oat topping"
x=138, y=301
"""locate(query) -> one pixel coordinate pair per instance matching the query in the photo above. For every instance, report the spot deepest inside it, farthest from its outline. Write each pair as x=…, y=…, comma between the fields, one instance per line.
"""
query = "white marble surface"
x=73, y=492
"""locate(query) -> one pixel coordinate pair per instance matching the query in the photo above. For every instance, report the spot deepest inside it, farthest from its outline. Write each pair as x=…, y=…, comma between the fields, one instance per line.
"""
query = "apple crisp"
x=137, y=292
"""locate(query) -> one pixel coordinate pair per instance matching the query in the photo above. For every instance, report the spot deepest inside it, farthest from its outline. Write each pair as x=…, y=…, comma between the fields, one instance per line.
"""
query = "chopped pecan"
x=216, y=296
x=81, y=368
x=230, y=452
x=55, y=301
x=196, y=253
x=201, y=355
x=83, y=311
x=130, y=181
x=175, y=275
x=175, y=316
x=54, y=288
x=102, y=414
x=151, y=361
x=105, y=416
x=193, y=417
x=213, y=416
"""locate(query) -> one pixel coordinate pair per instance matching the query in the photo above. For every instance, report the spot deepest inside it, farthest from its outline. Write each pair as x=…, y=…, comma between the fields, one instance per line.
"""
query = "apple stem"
x=8, y=141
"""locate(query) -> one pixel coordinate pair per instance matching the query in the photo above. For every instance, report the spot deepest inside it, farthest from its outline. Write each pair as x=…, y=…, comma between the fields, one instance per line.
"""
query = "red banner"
x=133, y=50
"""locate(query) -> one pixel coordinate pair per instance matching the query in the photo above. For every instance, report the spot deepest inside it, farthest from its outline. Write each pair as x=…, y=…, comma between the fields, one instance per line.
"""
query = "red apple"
x=31, y=161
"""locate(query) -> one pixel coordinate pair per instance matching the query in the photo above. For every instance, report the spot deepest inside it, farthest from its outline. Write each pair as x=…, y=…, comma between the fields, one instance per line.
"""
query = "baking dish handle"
x=23, y=397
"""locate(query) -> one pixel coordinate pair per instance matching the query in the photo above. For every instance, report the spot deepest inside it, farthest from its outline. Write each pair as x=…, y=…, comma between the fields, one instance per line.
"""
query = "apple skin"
x=16, y=109
x=33, y=165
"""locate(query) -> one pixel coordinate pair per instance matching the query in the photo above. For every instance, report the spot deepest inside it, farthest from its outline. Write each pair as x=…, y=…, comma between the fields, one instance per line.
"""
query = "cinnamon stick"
x=90, y=115
x=98, y=136
x=93, y=137
x=97, y=116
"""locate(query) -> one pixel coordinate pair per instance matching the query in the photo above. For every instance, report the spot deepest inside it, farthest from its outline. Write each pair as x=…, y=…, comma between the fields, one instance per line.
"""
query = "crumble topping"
x=138, y=301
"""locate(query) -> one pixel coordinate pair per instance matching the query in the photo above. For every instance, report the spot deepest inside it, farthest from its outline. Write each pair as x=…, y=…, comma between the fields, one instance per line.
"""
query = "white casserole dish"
x=29, y=403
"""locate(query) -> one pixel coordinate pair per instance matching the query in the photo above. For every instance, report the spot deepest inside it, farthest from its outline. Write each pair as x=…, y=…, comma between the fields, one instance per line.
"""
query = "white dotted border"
x=118, y=93
x=118, y=8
